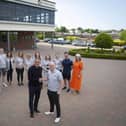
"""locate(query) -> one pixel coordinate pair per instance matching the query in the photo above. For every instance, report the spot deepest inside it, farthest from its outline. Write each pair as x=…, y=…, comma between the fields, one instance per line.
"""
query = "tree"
x=95, y=31
x=57, y=29
x=73, y=30
x=104, y=40
x=80, y=30
x=123, y=35
x=89, y=30
x=63, y=29
x=39, y=35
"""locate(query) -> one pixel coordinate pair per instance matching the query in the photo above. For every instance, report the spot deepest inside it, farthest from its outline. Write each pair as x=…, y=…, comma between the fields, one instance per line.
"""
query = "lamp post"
x=8, y=41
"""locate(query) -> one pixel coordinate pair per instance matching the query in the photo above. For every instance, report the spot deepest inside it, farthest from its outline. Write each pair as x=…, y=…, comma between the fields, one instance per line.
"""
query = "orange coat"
x=76, y=79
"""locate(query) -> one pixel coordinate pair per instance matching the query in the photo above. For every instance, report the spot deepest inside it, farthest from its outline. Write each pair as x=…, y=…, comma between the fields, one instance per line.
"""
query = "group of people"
x=59, y=74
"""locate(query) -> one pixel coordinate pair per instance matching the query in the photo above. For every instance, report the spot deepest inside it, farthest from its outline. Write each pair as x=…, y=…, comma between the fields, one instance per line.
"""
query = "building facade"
x=20, y=19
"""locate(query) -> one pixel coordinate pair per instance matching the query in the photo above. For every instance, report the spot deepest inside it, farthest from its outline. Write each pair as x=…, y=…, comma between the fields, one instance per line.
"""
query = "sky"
x=97, y=14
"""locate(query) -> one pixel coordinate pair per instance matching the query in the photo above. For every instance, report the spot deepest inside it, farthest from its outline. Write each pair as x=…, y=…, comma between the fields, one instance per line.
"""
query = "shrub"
x=71, y=38
x=104, y=40
x=39, y=35
x=108, y=54
x=123, y=35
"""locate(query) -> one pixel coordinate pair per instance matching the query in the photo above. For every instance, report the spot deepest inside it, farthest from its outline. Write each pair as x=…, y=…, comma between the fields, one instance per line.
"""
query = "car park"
x=56, y=41
x=79, y=43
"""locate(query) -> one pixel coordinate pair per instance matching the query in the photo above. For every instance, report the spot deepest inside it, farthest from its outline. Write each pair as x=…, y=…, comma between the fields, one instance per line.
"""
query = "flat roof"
x=35, y=4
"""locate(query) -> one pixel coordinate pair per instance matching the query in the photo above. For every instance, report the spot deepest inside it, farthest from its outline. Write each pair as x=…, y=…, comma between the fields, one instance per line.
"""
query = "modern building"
x=21, y=19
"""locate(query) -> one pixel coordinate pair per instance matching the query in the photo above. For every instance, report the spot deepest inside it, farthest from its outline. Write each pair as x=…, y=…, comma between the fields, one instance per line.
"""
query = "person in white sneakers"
x=55, y=82
x=3, y=66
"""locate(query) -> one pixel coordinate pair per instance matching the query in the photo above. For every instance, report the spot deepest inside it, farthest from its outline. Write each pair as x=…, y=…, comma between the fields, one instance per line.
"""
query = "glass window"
x=22, y=13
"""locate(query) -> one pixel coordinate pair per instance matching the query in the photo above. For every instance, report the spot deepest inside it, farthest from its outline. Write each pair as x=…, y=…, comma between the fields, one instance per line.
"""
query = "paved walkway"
x=102, y=101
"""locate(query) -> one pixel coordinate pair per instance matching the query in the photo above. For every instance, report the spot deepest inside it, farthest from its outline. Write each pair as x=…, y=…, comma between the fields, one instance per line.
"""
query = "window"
x=47, y=18
x=23, y=13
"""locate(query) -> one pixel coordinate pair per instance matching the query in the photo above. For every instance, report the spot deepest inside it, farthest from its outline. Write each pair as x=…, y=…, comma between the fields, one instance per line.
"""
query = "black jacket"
x=34, y=73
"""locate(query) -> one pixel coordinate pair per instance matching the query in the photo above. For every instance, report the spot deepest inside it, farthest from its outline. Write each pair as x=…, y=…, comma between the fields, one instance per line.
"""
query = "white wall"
x=18, y=26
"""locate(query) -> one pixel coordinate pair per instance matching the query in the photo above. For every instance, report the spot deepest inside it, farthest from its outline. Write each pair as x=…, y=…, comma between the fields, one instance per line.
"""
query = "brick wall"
x=25, y=40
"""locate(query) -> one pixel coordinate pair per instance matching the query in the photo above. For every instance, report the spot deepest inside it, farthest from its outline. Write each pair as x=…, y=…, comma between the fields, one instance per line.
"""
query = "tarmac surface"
x=102, y=101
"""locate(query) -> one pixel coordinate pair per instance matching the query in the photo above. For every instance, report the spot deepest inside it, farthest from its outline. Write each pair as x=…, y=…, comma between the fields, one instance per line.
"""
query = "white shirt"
x=58, y=63
x=3, y=61
x=28, y=63
x=54, y=79
x=8, y=62
x=45, y=64
x=19, y=62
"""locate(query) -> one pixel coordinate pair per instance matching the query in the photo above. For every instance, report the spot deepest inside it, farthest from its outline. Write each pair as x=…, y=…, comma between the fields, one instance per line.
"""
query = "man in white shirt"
x=3, y=67
x=55, y=83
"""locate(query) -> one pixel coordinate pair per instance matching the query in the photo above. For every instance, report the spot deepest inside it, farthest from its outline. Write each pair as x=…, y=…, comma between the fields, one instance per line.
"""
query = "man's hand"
x=40, y=80
x=59, y=92
x=45, y=79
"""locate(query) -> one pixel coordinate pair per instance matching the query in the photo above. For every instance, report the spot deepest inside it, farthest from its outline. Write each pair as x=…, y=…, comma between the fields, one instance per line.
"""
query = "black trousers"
x=34, y=95
x=10, y=75
x=54, y=99
x=20, y=73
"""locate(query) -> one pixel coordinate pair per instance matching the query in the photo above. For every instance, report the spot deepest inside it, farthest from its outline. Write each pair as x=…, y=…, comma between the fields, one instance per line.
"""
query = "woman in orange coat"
x=76, y=79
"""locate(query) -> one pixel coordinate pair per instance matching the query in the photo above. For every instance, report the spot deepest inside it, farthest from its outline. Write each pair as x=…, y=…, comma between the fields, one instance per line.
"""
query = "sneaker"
x=68, y=90
x=22, y=84
x=57, y=120
x=49, y=113
x=78, y=92
x=31, y=115
x=37, y=111
x=5, y=85
x=64, y=88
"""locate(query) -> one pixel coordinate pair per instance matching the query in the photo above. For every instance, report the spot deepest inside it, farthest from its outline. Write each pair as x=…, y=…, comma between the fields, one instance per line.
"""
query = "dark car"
x=37, y=40
x=91, y=44
x=46, y=39
x=79, y=43
x=54, y=41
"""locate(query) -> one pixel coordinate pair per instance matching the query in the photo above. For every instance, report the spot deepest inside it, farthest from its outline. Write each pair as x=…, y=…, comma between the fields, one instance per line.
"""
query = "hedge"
x=84, y=53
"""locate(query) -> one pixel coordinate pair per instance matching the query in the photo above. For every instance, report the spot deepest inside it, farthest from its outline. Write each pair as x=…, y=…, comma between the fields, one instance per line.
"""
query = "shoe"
x=49, y=113
x=37, y=111
x=5, y=85
x=57, y=120
x=19, y=84
x=78, y=92
x=64, y=88
x=68, y=90
x=10, y=83
x=22, y=84
x=31, y=115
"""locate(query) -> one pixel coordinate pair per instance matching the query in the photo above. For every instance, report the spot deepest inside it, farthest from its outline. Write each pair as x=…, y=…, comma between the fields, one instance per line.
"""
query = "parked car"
x=37, y=40
x=124, y=47
x=55, y=41
x=46, y=39
x=68, y=42
x=79, y=43
x=91, y=44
